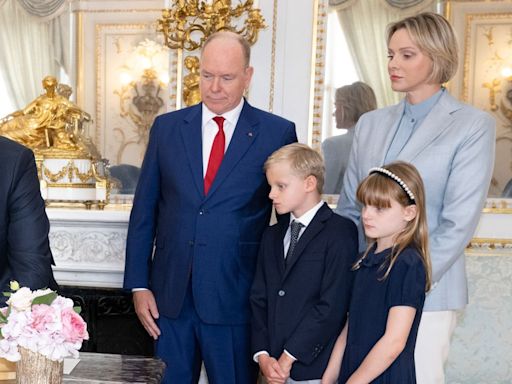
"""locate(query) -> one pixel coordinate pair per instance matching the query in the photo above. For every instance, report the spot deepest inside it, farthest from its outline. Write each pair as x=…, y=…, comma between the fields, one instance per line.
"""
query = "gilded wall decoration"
x=484, y=78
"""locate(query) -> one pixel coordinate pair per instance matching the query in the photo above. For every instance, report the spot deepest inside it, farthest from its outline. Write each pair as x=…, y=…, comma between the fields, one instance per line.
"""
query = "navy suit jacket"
x=25, y=253
x=302, y=307
x=212, y=240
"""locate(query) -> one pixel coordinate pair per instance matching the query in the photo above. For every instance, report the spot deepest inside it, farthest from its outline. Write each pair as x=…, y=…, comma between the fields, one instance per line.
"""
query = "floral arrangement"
x=40, y=321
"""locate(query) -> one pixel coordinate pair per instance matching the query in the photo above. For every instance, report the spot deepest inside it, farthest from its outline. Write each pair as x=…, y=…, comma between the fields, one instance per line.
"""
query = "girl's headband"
x=395, y=178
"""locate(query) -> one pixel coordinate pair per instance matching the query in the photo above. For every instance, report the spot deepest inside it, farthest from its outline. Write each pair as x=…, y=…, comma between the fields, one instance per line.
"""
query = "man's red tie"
x=216, y=154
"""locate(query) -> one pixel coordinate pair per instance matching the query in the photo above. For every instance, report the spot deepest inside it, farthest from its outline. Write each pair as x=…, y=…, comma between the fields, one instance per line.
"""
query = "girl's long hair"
x=378, y=190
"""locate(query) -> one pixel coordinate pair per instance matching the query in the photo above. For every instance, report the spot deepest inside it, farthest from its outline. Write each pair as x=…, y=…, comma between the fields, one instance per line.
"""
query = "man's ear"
x=410, y=212
x=310, y=182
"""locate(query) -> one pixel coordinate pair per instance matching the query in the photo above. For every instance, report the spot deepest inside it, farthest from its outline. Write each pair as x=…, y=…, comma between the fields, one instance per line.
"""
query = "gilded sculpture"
x=191, y=92
x=51, y=122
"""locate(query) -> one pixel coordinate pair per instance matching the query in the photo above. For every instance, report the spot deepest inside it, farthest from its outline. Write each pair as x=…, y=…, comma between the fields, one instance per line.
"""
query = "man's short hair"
x=246, y=47
x=304, y=161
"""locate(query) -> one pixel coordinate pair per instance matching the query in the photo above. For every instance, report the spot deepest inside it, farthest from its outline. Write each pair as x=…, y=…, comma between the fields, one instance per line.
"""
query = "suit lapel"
x=282, y=227
x=191, y=132
x=244, y=135
x=389, y=126
x=314, y=227
x=436, y=122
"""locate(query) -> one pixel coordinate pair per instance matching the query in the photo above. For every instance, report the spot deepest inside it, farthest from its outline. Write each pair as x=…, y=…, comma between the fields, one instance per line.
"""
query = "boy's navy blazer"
x=210, y=241
x=302, y=307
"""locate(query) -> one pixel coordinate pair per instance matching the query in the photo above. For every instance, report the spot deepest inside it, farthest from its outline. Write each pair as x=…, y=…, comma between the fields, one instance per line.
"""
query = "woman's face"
x=409, y=68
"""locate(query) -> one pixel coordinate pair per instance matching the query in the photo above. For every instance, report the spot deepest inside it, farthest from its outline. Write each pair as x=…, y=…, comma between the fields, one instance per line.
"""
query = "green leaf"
x=3, y=318
x=7, y=294
x=45, y=299
x=77, y=309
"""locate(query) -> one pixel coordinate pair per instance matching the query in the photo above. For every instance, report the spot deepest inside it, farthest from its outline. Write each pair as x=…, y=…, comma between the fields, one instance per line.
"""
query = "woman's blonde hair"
x=434, y=36
x=379, y=189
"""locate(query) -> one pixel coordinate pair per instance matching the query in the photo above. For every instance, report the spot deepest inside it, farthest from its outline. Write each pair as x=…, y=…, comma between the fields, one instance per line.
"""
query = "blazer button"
x=281, y=293
x=201, y=212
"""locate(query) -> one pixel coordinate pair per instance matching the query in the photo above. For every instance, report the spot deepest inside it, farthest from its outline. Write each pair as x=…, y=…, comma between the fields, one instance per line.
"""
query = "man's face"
x=224, y=76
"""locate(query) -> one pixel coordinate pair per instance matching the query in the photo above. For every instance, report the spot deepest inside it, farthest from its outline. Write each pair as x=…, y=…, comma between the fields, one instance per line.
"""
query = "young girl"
x=377, y=342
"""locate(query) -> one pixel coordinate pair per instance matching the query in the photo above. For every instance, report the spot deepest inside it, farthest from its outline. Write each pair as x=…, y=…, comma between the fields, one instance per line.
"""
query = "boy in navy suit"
x=301, y=290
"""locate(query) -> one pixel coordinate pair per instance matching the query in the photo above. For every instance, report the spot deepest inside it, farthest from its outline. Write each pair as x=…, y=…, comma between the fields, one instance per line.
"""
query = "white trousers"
x=433, y=345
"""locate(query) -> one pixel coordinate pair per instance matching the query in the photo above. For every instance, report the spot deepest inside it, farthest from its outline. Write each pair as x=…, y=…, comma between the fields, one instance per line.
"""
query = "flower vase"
x=34, y=368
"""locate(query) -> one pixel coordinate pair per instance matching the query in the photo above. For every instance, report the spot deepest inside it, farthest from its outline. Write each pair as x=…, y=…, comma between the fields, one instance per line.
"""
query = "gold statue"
x=51, y=121
x=191, y=92
x=189, y=22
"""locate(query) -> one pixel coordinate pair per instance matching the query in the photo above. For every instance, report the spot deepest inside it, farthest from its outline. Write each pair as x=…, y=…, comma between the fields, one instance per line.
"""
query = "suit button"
x=191, y=243
x=201, y=212
x=281, y=293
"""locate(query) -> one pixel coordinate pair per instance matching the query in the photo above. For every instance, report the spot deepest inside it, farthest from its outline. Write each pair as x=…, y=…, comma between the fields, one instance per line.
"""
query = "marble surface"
x=96, y=368
x=100, y=368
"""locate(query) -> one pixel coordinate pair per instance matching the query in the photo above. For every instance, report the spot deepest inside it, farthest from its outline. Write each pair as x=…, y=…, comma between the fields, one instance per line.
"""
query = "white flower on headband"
x=394, y=177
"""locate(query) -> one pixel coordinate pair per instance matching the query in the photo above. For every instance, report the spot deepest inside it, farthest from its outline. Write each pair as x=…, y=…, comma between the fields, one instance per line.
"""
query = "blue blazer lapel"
x=191, y=132
x=309, y=234
x=435, y=123
x=282, y=227
x=245, y=133
x=389, y=126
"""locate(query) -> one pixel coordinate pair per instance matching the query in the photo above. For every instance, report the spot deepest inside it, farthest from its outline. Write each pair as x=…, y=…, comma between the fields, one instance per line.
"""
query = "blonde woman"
x=452, y=145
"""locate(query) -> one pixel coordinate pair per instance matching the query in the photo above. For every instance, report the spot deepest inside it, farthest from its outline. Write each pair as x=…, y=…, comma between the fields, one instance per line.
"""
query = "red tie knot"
x=220, y=121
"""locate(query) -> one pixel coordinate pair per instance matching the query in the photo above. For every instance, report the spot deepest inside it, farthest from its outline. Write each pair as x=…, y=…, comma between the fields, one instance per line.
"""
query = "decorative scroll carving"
x=88, y=247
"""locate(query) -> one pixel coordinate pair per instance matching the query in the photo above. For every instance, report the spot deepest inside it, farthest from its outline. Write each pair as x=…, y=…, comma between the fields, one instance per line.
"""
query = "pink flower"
x=73, y=326
x=43, y=317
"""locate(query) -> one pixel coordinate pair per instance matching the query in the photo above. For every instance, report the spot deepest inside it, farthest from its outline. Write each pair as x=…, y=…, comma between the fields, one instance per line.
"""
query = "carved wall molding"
x=88, y=246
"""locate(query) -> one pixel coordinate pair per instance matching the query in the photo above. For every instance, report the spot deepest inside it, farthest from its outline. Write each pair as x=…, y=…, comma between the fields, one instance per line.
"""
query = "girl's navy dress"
x=372, y=298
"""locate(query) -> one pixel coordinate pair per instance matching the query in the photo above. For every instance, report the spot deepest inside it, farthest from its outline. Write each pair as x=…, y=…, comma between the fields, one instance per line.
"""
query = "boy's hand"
x=271, y=369
x=286, y=362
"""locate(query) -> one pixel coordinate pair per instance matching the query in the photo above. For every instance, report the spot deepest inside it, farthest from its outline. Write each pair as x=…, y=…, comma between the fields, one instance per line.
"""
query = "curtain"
x=364, y=24
x=44, y=8
x=32, y=46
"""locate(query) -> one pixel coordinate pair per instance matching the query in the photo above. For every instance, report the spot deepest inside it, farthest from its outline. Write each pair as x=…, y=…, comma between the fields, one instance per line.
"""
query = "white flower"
x=21, y=300
x=41, y=292
x=41, y=328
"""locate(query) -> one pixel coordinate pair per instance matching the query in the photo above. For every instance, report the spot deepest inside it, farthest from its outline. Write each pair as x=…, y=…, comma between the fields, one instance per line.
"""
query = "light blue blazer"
x=453, y=150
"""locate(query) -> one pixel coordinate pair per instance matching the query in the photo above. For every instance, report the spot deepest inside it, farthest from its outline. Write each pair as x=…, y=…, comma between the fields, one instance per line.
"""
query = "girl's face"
x=385, y=224
x=409, y=68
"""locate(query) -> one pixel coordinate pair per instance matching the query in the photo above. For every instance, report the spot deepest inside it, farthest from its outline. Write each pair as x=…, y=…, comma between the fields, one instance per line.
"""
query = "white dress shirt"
x=210, y=129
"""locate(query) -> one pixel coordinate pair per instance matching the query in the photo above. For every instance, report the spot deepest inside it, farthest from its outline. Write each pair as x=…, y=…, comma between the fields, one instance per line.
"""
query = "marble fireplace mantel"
x=88, y=246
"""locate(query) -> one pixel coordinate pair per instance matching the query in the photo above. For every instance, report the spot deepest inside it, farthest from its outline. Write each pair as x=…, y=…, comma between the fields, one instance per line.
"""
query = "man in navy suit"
x=195, y=225
x=25, y=254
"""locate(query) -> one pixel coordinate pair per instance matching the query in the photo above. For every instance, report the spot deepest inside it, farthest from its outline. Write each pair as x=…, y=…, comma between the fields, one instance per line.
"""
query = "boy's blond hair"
x=304, y=161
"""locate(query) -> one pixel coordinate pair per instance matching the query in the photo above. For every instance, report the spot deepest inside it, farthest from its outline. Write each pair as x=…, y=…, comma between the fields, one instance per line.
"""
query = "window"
x=339, y=70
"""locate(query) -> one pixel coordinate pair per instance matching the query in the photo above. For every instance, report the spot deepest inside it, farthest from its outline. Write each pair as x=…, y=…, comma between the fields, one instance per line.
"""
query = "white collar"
x=306, y=218
x=231, y=116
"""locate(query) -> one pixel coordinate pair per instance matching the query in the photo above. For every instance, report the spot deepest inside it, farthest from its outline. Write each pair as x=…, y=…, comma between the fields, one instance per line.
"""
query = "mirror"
x=486, y=83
